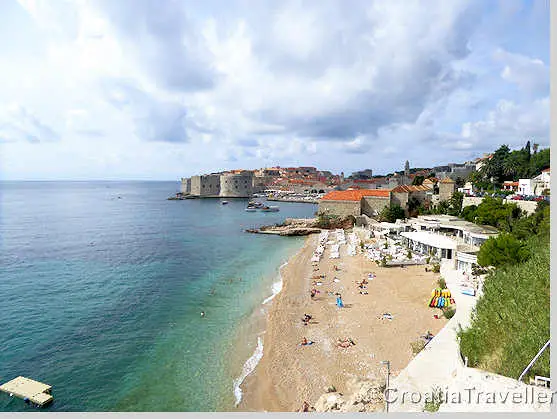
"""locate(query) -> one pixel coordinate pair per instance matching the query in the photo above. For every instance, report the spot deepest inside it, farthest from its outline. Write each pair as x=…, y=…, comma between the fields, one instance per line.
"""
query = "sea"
x=102, y=287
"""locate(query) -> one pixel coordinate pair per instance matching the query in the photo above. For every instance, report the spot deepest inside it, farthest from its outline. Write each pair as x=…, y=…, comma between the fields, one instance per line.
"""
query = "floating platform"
x=29, y=390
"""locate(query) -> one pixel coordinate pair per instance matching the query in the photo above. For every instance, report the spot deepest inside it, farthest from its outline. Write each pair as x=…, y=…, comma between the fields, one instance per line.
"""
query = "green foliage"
x=493, y=212
x=434, y=401
x=442, y=283
x=383, y=261
x=442, y=207
x=502, y=250
x=409, y=255
x=436, y=268
x=417, y=346
x=510, y=322
x=459, y=182
x=392, y=213
x=455, y=203
x=418, y=180
x=448, y=312
x=469, y=213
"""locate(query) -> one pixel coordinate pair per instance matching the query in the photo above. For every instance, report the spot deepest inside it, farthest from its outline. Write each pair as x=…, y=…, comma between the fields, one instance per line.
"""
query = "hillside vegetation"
x=510, y=323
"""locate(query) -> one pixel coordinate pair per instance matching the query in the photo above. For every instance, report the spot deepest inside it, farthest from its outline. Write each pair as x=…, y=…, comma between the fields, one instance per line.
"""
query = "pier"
x=28, y=390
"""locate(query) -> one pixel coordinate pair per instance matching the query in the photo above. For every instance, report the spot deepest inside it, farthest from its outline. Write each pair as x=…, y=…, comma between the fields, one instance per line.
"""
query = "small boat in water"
x=270, y=209
x=224, y=202
x=250, y=209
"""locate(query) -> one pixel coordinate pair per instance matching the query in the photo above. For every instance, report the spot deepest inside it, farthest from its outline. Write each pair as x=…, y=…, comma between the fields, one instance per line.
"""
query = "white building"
x=447, y=237
x=536, y=185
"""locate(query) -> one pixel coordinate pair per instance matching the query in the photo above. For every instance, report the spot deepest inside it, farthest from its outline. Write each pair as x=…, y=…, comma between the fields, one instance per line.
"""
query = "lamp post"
x=388, y=364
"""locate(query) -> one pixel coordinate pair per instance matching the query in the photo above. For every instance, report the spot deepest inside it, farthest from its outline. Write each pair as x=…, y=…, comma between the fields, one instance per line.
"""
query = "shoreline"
x=288, y=374
x=254, y=330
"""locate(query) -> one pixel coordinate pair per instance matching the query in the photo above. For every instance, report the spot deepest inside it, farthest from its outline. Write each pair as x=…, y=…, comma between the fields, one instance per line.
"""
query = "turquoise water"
x=102, y=285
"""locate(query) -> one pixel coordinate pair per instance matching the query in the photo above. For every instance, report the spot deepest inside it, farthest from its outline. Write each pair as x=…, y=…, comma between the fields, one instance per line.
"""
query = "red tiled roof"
x=510, y=183
x=447, y=180
x=410, y=188
x=545, y=170
x=355, y=195
x=364, y=181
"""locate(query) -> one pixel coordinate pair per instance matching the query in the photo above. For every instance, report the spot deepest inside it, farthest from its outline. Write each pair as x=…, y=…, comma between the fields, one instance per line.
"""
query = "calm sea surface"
x=102, y=285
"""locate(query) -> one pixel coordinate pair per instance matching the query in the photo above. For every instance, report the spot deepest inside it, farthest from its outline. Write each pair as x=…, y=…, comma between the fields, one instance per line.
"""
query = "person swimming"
x=202, y=314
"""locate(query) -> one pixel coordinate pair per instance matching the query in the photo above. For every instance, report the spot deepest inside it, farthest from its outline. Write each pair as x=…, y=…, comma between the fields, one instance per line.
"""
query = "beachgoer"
x=202, y=314
x=305, y=407
x=340, y=304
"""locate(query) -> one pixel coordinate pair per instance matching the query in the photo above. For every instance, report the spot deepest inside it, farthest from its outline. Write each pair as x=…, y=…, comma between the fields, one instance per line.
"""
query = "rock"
x=330, y=402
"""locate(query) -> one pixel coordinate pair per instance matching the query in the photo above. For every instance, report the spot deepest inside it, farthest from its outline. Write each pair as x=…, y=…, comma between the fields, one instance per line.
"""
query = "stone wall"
x=528, y=206
x=373, y=205
x=205, y=185
x=236, y=185
x=185, y=186
x=339, y=208
x=446, y=191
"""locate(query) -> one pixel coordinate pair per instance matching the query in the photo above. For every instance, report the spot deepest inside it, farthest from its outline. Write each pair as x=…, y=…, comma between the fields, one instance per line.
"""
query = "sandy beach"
x=289, y=374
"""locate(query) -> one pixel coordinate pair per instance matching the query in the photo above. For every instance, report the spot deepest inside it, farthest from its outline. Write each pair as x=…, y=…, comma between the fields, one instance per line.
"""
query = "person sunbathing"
x=306, y=342
x=313, y=292
x=346, y=343
x=306, y=319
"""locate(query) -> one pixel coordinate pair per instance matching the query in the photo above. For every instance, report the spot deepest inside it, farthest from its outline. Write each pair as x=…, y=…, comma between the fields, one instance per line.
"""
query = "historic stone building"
x=236, y=184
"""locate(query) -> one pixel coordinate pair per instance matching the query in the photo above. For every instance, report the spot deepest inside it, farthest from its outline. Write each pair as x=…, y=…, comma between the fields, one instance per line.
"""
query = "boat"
x=270, y=209
x=250, y=209
x=255, y=204
x=224, y=202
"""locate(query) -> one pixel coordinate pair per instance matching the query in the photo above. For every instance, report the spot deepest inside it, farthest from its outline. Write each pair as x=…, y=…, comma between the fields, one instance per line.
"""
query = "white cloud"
x=192, y=86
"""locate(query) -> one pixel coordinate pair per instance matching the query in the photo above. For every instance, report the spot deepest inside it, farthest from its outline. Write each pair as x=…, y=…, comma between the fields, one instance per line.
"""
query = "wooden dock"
x=28, y=390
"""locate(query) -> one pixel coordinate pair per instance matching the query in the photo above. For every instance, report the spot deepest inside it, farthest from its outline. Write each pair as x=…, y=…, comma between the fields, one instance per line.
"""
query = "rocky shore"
x=290, y=227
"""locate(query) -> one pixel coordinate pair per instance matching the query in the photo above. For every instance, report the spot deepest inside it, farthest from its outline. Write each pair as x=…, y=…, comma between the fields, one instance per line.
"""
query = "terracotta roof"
x=447, y=180
x=410, y=188
x=545, y=170
x=355, y=195
x=428, y=181
x=510, y=183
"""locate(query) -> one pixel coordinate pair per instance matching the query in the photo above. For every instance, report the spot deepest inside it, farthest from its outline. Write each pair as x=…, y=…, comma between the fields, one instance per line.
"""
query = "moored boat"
x=270, y=209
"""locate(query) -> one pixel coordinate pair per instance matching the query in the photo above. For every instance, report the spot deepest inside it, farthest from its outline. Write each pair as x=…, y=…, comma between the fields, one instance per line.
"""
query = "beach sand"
x=289, y=374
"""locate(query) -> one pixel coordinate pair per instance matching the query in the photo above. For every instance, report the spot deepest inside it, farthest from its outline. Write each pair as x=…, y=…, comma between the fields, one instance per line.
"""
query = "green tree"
x=469, y=213
x=418, y=180
x=392, y=213
x=493, y=212
x=455, y=203
x=504, y=249
x=413, y=206
x=442, y=207
x=459, y=182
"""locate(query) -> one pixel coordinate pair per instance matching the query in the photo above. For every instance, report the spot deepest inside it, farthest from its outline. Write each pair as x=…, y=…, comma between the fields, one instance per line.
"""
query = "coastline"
x=288, y=374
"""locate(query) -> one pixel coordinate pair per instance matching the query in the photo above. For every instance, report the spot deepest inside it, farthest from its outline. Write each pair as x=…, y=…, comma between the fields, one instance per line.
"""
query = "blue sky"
x=141, y=89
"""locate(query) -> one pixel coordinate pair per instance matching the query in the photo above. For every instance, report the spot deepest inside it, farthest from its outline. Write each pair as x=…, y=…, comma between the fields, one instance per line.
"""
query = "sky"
x=153, y=89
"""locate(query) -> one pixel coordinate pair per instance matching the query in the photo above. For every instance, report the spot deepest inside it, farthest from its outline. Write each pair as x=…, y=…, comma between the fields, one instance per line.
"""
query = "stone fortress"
x=233, y=184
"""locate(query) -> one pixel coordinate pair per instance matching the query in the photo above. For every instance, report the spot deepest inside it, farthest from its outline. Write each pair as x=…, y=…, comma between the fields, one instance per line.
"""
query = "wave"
x=277, y=286
x=248, y=368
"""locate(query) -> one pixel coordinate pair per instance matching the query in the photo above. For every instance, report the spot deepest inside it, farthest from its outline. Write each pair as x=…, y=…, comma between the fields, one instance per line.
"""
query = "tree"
x=493, y=212
x=392, y=213
x=413, y=206
x=455, y=203
x=469, y=213
x=442, y=207
x=418, y=180
x=502, y=250
x=459, y=182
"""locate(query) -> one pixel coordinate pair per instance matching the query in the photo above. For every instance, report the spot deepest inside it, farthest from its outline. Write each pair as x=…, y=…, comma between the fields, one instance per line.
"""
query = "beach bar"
x=28, y=390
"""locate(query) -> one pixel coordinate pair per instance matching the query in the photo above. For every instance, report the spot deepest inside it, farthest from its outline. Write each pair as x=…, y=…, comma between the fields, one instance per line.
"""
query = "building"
x=185, y=185
x=538, y=185
x=447, y=237
x=403, y=194
x=355, y=202
x=362, y=174
x=446, y=189
x=205, y=185
x=509, y=185
x=236, y=184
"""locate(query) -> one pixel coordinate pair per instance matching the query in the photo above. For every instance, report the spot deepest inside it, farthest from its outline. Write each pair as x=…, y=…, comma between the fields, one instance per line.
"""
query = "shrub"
x=449, y=312
x=434, y=401
x=436, y=268
x=504, y=249
x=417, y=346
x=384, y=261
x=511, y=320
x=442, y=283
x=427, y=259
x=409, y=255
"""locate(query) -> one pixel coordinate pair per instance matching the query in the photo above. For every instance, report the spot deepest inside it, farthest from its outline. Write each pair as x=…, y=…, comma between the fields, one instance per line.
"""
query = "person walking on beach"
x=340, y=304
